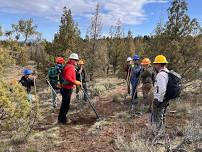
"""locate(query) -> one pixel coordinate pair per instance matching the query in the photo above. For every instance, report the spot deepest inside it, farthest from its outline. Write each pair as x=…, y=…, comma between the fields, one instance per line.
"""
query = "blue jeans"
x=134, y=93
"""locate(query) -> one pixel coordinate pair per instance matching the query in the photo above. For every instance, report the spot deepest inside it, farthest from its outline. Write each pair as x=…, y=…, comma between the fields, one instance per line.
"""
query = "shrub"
x=5, y=59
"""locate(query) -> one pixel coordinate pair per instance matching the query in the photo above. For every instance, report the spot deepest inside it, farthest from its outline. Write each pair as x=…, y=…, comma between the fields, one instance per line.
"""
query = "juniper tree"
x=67, y=39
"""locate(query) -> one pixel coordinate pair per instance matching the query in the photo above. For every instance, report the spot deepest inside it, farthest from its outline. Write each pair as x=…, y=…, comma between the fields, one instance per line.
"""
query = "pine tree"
x=66, y=40
x=118, y=53
x=179, y=41
x=130, y=47
x=94, y=44
x=179, y=23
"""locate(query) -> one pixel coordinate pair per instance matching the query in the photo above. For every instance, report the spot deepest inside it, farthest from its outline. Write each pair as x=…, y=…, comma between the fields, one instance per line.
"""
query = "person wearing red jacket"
x=69, y=77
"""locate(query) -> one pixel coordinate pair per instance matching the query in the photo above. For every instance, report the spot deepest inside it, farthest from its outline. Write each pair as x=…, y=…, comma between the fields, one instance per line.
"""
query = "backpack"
x=174, y=85
x=54, y=75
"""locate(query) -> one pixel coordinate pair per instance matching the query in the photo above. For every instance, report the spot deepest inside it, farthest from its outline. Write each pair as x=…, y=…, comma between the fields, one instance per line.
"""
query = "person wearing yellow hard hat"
x=160, y=103
x=147, y=79
x=81, y=76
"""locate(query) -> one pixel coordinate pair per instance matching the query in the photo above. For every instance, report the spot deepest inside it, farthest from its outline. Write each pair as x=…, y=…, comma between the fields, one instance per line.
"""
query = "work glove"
x=77, y=83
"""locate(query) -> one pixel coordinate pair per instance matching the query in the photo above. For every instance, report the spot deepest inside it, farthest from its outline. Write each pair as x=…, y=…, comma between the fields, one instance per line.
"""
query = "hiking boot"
x=69, y=121
x=60, y=123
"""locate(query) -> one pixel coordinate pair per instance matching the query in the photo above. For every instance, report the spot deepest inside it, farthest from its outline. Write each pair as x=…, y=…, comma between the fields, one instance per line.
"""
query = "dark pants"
x=158, y=115
x=86, y=91
x=66, y=98
x=134, y=95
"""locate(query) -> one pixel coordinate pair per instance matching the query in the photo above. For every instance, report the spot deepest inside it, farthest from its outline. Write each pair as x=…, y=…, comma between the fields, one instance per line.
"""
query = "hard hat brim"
x=160, y=62
x=145, y=63
x=129, y=60
x=73, y=59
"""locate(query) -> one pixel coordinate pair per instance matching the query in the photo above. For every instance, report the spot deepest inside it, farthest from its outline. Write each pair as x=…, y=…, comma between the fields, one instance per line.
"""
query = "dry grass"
x=134, y=144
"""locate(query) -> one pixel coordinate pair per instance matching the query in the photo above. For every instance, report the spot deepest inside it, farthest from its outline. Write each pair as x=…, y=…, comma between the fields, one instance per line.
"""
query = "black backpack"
x=174, y=85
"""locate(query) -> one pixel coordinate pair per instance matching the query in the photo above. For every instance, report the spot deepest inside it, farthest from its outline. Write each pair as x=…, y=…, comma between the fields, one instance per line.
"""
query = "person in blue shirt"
x=135, y=75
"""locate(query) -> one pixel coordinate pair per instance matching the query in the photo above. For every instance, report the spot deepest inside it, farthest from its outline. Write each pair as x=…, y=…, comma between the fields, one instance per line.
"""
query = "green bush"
x=5, y=59
x=14, y=105
x=17, y=115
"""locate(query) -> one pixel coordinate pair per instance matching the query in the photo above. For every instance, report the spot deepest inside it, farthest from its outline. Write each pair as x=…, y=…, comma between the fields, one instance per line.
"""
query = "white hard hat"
x=74, y=56
x=129, y=59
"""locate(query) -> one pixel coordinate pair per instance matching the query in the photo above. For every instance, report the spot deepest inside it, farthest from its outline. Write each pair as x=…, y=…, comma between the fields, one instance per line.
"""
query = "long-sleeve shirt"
x=160, y=85
x=69, y=74
x=128, y=70
x=81, y=75
x=27, y=83
x=148, y=75
x=135, y=74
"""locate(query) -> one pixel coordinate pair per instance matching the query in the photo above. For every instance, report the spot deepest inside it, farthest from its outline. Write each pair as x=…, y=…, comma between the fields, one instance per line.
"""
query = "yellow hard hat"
x=160, y=59
x=81, y=62
x=145, y=61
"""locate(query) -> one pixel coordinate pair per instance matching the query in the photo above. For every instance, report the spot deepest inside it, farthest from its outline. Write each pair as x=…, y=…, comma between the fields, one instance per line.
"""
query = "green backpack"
x=54, y=76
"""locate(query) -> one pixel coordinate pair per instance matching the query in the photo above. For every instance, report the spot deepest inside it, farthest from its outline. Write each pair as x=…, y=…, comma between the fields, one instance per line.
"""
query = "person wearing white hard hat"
x=128, y=69
x=129, y=59
x=69, y=81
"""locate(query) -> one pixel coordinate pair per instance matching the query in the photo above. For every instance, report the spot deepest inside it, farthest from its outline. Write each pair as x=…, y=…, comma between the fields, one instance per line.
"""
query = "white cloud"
x=128, y=11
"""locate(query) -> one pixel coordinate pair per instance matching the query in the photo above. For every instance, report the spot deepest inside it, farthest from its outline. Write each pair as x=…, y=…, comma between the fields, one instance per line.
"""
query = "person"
x=135, y=74
x=55, y=78
x=81, y=76
x=69, y=77
x=147, y=79
x=27, y=82
x=128, y=69
x=160, y=103
x=128, y=66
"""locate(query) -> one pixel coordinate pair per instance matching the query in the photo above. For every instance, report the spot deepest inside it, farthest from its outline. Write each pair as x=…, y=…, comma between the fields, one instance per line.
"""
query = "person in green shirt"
x=147, y=79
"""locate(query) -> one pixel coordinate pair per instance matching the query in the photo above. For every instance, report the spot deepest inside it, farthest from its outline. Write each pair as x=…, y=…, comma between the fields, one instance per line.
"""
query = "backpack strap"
x=165, y=71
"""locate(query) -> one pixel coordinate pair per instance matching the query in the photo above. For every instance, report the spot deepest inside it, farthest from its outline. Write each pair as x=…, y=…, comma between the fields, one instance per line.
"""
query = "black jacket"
x=27, y=83
x=83, y=74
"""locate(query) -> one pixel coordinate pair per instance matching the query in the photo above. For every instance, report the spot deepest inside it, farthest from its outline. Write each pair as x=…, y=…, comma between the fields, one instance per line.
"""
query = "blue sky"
x=139, y=16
